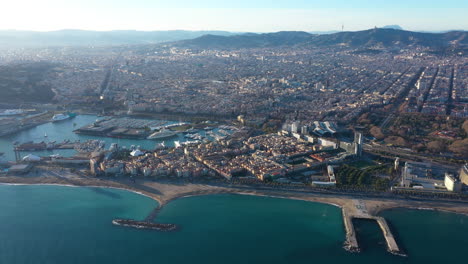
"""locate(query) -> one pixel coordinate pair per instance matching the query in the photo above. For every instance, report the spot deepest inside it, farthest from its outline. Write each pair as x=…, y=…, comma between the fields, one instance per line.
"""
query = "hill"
x=247, y=40
x=392, y=38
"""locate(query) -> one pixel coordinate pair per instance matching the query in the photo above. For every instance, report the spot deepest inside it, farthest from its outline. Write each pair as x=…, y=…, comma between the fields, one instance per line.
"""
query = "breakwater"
x=144, y=225
x=351, y=243
x=359, y=211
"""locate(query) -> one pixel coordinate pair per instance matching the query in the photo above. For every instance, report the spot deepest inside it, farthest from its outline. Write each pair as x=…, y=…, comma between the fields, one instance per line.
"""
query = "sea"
x=58, y=224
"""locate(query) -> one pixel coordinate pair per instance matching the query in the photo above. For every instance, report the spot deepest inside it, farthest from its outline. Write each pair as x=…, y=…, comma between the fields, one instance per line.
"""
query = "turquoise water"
x=63, y=130
x=53, y=224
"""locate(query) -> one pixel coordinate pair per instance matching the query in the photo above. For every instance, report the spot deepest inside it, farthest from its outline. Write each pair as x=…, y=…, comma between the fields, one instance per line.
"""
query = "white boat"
x=193, y=142
x=162, y=134
x=160, y=145
x=177, y=144
x=60, y=117
x=31, y=157
x=10, y=112
x=191, y=131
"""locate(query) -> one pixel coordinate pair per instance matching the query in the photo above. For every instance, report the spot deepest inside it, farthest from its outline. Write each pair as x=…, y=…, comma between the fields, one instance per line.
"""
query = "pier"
x=31, y=146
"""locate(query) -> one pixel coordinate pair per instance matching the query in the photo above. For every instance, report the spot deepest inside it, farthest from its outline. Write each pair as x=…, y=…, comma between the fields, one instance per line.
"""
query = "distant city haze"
x=237, y=16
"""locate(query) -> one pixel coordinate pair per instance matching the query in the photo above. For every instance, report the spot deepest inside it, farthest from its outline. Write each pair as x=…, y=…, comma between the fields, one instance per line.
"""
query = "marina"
x=61, y=137
x=162, y=134
x=130, y=128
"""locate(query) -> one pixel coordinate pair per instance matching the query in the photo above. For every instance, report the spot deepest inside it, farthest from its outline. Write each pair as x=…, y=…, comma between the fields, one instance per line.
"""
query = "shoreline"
x=422, y=209
x=289, y=198
x=384, y=205
x=84, y=186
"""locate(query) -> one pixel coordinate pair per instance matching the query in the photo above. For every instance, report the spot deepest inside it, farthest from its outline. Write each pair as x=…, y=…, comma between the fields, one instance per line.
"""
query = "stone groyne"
x=392, y=245
x=351, y=243
x=145, y=225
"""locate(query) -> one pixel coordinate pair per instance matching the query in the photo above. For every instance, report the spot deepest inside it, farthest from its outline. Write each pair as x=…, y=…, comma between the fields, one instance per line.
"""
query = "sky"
x=232, y=15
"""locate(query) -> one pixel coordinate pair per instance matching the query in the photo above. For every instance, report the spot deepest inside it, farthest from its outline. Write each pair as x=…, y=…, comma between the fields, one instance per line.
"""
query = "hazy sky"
x=232, y=15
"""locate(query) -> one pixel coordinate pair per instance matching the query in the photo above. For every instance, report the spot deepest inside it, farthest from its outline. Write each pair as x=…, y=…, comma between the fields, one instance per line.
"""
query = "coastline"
x=171, y=191
x=352, y=207
x=423, y=209
x=85, y=186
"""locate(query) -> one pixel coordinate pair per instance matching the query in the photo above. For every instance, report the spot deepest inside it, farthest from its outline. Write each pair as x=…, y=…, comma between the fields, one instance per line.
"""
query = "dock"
x=31, y=146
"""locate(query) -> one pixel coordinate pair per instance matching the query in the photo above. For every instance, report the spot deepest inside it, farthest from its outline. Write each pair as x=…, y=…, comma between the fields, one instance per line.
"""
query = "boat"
x=177, y=144
x=191, y=131
x=71, y=114
x=164, y=133
x=160, y=145
x=193, y=142
x=60, y=117
x=11, y=112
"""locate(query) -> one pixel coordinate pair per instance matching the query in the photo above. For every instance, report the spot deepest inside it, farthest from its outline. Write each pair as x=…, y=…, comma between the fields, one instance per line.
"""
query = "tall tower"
x=295, y=127
x=358, y=144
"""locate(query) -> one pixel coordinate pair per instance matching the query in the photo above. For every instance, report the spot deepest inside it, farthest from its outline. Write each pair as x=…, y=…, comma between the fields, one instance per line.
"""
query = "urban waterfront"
x=54, y=224
x=63, y=130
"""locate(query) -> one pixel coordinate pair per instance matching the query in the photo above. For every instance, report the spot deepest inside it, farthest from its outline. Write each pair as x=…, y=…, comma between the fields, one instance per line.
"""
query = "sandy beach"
x=164, y=192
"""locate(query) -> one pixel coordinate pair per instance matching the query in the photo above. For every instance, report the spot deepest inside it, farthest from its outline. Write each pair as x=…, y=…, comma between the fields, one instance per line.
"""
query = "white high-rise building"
x=358, y=144
x=295, y=127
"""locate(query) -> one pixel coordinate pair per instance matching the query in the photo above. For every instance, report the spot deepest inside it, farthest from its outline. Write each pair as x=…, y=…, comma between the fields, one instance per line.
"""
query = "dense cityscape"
x=366, y=127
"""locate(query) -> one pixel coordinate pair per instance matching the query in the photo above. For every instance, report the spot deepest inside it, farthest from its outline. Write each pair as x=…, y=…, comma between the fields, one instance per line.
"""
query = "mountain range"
x=378, y=37
x=388, y=37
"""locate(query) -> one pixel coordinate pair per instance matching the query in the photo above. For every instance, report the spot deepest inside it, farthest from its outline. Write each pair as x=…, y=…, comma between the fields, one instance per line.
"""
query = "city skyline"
x=242, y=16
